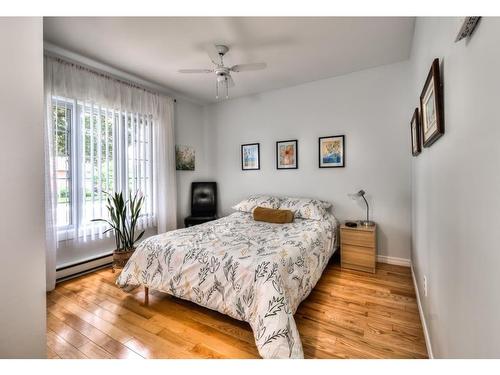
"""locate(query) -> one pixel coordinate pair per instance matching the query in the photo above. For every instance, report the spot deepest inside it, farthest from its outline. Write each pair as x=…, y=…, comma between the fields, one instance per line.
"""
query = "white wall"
x=190, y=130
x=370, y=107
x=22, y=276
x=456, y=185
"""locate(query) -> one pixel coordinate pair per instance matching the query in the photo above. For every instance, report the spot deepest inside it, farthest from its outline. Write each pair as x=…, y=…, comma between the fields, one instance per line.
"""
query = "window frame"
x=64, y=231
x=120, y=160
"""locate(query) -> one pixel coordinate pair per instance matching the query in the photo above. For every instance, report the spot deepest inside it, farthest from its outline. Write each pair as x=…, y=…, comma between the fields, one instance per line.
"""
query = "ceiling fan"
x=223, y=73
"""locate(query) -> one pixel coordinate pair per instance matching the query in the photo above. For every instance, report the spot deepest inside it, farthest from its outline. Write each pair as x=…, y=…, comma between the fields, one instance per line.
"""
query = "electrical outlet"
x=425, y=286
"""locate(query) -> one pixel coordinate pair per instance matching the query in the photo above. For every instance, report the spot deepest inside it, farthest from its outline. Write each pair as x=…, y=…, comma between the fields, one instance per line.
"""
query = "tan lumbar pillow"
x=271, y=215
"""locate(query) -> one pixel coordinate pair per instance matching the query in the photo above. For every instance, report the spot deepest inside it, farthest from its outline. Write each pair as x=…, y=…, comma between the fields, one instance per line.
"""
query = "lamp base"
x=367, y=223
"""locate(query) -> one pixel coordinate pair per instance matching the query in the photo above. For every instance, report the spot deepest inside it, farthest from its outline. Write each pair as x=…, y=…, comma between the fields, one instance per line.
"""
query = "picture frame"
x=287, y=154
x=250, y=157
x=416, y=133
x=431, y=107
x=184, y=158
x=331, y=151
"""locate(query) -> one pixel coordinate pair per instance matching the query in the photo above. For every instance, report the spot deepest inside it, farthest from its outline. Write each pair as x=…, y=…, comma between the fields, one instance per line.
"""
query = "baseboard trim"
x=407, y=263
x=85, y=272
x=81, y=268
x=394, y=260
x=422, y=316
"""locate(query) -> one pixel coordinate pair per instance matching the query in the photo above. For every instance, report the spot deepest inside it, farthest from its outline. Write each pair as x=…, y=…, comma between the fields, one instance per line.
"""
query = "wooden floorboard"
x=349, y=314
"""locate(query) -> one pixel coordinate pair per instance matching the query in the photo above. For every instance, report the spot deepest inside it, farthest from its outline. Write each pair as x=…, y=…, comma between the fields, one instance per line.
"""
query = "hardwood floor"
x=349, y=314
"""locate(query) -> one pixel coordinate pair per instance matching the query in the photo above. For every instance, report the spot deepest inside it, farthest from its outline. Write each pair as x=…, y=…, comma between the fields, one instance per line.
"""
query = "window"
x=62, y=114
x=99, y=151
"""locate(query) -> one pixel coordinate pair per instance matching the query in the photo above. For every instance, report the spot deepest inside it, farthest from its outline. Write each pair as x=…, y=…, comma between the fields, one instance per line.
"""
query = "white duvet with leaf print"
x=253, y=271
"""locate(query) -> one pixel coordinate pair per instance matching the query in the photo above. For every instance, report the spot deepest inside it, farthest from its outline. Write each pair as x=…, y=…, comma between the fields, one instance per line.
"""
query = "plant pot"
x=121, y=257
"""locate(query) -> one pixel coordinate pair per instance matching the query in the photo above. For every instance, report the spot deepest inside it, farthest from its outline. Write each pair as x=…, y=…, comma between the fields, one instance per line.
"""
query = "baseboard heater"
x=81, y=268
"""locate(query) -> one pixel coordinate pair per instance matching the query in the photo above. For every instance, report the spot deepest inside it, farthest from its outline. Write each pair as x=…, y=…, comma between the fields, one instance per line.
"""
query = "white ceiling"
x=296, y=50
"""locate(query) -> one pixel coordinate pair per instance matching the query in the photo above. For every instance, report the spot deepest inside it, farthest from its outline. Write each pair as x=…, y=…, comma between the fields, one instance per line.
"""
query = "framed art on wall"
x=250, y=156
x=184, y=158
x=331, y=151
x=415, y=131
x=287, y=154
x=431, y=107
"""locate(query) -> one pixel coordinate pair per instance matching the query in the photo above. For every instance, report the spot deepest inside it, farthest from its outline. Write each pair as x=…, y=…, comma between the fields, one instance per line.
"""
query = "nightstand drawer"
x=358, y=255
x=358, y=238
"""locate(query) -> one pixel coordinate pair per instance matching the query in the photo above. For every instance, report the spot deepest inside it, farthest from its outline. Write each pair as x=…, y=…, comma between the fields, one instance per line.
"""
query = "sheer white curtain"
x=50, y=192
x=141, y=154
x=166, y=195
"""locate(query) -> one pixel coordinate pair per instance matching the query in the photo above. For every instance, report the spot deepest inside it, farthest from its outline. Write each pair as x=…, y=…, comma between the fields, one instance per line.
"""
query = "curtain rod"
x=100, y=73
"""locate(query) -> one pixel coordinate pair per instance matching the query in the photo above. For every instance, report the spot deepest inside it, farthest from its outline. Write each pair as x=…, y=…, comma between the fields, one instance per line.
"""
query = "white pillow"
x=249, y=204
x=306, y=208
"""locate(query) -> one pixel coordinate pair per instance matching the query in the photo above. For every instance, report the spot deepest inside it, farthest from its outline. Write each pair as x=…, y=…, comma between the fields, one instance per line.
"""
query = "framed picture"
x=416, y=147
x=287, y=154
x=431, y=107
x=184, y=158
x=250, y=156
x=331, y=152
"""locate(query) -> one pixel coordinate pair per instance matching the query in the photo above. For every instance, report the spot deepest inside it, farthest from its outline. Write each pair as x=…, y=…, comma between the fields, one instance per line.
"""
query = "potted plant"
x=123, y=217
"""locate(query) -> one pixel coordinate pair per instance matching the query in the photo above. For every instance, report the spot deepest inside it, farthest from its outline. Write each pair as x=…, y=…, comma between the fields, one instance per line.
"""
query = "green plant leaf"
x=140, y=236
x=124, y=215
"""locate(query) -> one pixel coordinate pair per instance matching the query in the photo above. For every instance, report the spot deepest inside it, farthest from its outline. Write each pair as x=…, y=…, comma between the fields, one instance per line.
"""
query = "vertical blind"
x=99, y=151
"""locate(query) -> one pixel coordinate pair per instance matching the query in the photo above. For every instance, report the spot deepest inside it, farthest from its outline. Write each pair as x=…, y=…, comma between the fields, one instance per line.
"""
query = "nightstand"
x=358, y=247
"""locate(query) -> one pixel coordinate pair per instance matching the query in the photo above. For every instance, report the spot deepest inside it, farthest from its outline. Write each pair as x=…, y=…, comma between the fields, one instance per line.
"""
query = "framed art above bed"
x=250, y=156
x=331, y=151
x=287, y=154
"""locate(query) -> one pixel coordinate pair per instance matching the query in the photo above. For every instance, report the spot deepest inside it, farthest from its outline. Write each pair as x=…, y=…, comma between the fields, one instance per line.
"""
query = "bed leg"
x=146, y=295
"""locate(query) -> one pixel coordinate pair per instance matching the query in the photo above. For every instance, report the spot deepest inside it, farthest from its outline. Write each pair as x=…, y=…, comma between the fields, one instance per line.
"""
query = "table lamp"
x=367, y=222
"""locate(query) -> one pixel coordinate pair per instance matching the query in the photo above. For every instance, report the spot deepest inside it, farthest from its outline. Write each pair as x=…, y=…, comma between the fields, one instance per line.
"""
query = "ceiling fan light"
x=223, y=73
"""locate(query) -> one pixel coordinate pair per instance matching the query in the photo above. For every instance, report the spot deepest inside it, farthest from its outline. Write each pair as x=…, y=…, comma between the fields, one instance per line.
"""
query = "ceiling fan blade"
x=195, y=71
x=213, y=53
x=230, y=82
x=248, y=67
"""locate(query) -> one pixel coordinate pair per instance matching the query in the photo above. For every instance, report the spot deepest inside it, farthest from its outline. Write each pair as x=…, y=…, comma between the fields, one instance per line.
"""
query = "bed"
x=253, y=271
